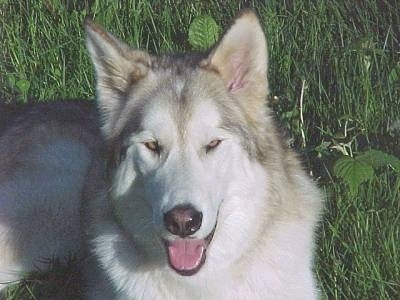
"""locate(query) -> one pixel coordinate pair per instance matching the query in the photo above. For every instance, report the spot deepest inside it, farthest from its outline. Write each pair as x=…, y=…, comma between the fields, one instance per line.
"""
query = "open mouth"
x=186, y=256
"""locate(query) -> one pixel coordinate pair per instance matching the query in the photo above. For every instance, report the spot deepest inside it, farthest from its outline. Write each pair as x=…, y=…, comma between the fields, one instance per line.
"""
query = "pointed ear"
x=241, y=59
x=117, y=67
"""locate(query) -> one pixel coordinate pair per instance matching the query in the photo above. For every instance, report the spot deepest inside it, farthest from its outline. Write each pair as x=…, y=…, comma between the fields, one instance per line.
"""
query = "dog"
x=186, y=188
x=45, y=153
x=204, y=200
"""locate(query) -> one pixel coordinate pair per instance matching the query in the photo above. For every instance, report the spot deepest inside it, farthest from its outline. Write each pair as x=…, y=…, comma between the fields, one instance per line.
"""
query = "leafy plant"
x=203, y=32
x=20, y=85
x=356, y=170
x=394, y=75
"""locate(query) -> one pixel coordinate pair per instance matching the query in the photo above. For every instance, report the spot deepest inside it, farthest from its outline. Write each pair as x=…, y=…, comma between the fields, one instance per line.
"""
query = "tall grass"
x=343, y=55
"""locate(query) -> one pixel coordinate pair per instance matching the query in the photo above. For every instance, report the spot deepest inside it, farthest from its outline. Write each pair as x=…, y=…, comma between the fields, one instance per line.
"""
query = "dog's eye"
x=153, y=146
x=212, y=145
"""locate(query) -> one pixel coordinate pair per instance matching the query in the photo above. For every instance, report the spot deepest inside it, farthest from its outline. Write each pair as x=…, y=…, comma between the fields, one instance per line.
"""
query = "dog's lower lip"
x=190, y=272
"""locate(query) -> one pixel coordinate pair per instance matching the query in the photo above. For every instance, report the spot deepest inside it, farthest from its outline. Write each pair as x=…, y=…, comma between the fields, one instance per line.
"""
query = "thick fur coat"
x=182, y=188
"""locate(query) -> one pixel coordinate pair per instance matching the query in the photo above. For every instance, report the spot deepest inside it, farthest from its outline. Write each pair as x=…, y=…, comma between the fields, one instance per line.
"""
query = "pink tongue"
x=186, y=254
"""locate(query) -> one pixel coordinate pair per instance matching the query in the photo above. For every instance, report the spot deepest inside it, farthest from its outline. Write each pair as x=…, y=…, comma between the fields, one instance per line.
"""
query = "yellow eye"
x=152, y=146
x=212, y=145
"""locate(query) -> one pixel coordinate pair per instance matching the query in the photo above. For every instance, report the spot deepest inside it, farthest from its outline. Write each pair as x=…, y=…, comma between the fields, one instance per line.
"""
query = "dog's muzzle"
x=186, y=255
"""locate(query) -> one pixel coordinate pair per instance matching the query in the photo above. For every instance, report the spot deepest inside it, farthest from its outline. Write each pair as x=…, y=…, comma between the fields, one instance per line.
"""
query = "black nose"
x=183, y=220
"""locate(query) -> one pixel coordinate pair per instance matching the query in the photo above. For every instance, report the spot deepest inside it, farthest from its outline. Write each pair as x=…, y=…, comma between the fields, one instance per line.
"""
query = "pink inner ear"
x=239, y=69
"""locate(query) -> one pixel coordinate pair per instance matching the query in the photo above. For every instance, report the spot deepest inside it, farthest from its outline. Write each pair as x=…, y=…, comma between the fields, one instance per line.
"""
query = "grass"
x=344, y=57
x=359, y=243
x=61, y=282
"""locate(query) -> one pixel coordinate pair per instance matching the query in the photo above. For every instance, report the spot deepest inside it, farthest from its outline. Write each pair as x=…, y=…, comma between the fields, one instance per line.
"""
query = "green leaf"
x=203, y=32
x=57, y=73
x=379, y=159
x=353, y=171
x=394, y=74
x=23, y=85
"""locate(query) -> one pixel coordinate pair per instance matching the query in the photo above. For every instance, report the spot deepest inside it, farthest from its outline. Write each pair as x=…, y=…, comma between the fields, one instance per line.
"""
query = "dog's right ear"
x=117, y=67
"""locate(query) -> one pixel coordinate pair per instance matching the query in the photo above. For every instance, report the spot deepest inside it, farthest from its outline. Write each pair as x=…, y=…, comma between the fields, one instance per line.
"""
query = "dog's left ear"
x=241, y=59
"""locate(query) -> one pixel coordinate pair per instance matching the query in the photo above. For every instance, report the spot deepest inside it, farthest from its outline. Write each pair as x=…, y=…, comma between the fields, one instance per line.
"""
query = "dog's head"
x=185, y=135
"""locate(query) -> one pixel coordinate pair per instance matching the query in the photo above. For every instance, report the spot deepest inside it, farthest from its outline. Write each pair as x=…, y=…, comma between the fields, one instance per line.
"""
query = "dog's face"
x=175, y=158
x=184, y=149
